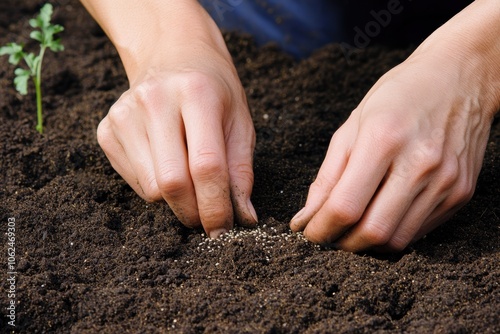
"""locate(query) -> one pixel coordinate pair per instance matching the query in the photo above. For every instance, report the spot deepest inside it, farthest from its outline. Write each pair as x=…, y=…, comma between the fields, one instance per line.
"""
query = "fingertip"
x=312, y=236
x=244, y=210
x=319, y=233
x=188, y=217
x=245, y=214
x=253, y=219
x=190, y=223
x=300, y=220
x=216, y=229
x=214, y=234
x=214, y=225
x=252, y=211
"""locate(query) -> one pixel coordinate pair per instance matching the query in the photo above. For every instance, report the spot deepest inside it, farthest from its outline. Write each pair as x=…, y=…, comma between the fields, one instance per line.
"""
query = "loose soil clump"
x=92, y=257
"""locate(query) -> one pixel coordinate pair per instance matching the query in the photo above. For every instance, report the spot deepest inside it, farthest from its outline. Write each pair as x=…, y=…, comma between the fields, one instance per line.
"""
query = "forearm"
x=152, y=31
x=472, y=39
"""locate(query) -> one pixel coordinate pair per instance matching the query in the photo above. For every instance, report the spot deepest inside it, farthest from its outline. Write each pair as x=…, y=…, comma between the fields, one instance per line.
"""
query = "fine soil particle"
x=92, y=257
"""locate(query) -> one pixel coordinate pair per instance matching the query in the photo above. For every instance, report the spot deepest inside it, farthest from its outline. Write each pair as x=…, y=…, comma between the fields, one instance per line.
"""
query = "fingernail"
x=214, y=234
x=252, y=210
x=298, y=215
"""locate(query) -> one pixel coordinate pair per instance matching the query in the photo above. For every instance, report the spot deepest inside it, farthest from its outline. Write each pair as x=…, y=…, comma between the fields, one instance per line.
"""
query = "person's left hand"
x=406, y=159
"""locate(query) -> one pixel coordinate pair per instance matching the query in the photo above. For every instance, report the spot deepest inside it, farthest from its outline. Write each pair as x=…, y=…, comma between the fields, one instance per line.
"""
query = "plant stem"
x=38, y=88
x=39, y=125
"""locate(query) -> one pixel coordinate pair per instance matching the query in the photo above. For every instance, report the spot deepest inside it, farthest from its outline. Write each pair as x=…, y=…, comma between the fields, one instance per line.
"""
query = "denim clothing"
x=301, y=26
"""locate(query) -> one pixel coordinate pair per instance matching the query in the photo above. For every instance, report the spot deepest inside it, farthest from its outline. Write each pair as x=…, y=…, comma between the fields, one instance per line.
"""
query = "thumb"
x=240, y=162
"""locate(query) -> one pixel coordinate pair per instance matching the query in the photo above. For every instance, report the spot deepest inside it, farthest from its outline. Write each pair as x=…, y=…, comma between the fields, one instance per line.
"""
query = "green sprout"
x=45, y=36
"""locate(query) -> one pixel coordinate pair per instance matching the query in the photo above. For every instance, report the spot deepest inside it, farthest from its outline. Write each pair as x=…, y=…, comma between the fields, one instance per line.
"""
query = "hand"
x=183, y=131
x=184, y=134
x=406, y=159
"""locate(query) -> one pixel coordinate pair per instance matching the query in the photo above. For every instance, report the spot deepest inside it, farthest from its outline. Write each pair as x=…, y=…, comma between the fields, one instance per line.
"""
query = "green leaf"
x=48, y=34
x=14, y=50
x=45, y=14
x=57, y=28
x=32, y=62
x=37, y=35
x=35, y=23
x=48, y=30
x=56, y=46
x=36, y=64
x=43, y=33
x=21, y=80
x=10, y=49
x=43, y=19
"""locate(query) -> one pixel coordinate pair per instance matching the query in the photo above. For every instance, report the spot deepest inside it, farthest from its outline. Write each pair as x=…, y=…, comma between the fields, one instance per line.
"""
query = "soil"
x=92, y=257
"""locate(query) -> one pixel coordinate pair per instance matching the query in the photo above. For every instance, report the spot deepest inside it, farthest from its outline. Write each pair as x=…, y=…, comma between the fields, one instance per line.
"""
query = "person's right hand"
x=183, y=132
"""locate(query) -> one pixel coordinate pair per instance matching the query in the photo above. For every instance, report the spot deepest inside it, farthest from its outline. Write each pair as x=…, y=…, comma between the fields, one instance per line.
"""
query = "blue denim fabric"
x=298, y=27
x=301, y=26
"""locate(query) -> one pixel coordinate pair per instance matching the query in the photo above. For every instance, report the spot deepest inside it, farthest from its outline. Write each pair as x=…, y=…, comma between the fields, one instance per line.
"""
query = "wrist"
x=155, y=33
x=469, y=46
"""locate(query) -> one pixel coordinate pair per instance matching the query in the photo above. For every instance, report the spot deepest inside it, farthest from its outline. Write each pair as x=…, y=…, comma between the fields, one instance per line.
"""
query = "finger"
x=462, y=186
x=391, y=216
x=404, y=188
x=208, y=165
x=116, y=154
x=131, y=134
x=240, y=148
x=328, y=175
x=348, y=200
x=429, y=209
x=413, y=222
x=443, y=212
x=432, y=222
x=383, y=215
x=401, y=205
x=444, y=195
x=169, y=154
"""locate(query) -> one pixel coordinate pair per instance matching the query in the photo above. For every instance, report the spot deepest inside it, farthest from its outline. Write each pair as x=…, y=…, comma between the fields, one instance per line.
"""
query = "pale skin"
x=407, y=158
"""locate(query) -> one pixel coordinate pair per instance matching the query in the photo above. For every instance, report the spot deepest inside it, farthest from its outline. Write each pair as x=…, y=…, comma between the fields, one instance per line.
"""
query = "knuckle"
x=345, y=211
x=398, y=244
x=428, y=156
x=249, y=137
x=376, y=233
x=463, y=192
x=322, y=183
x=242, y=172
x=389, y=138
x=206, y=166
x=421, y=167
x=150, y=190
x=104, y=134
x=214, y=215
x=450, y=173
x=171, y=184
x=195, y=83
x=119, y=113
x=146, y=94
x=429, y=161
x=201, y=89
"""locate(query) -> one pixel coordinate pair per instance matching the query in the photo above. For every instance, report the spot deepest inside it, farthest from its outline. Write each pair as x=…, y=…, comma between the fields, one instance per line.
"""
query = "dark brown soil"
x=92, y=257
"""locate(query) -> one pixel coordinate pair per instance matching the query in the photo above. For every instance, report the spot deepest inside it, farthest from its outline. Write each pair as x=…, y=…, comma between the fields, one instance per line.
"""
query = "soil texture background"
x=93, y=257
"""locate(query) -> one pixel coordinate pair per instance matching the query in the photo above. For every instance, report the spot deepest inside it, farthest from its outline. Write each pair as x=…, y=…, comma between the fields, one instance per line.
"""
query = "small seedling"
x=44, y=33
